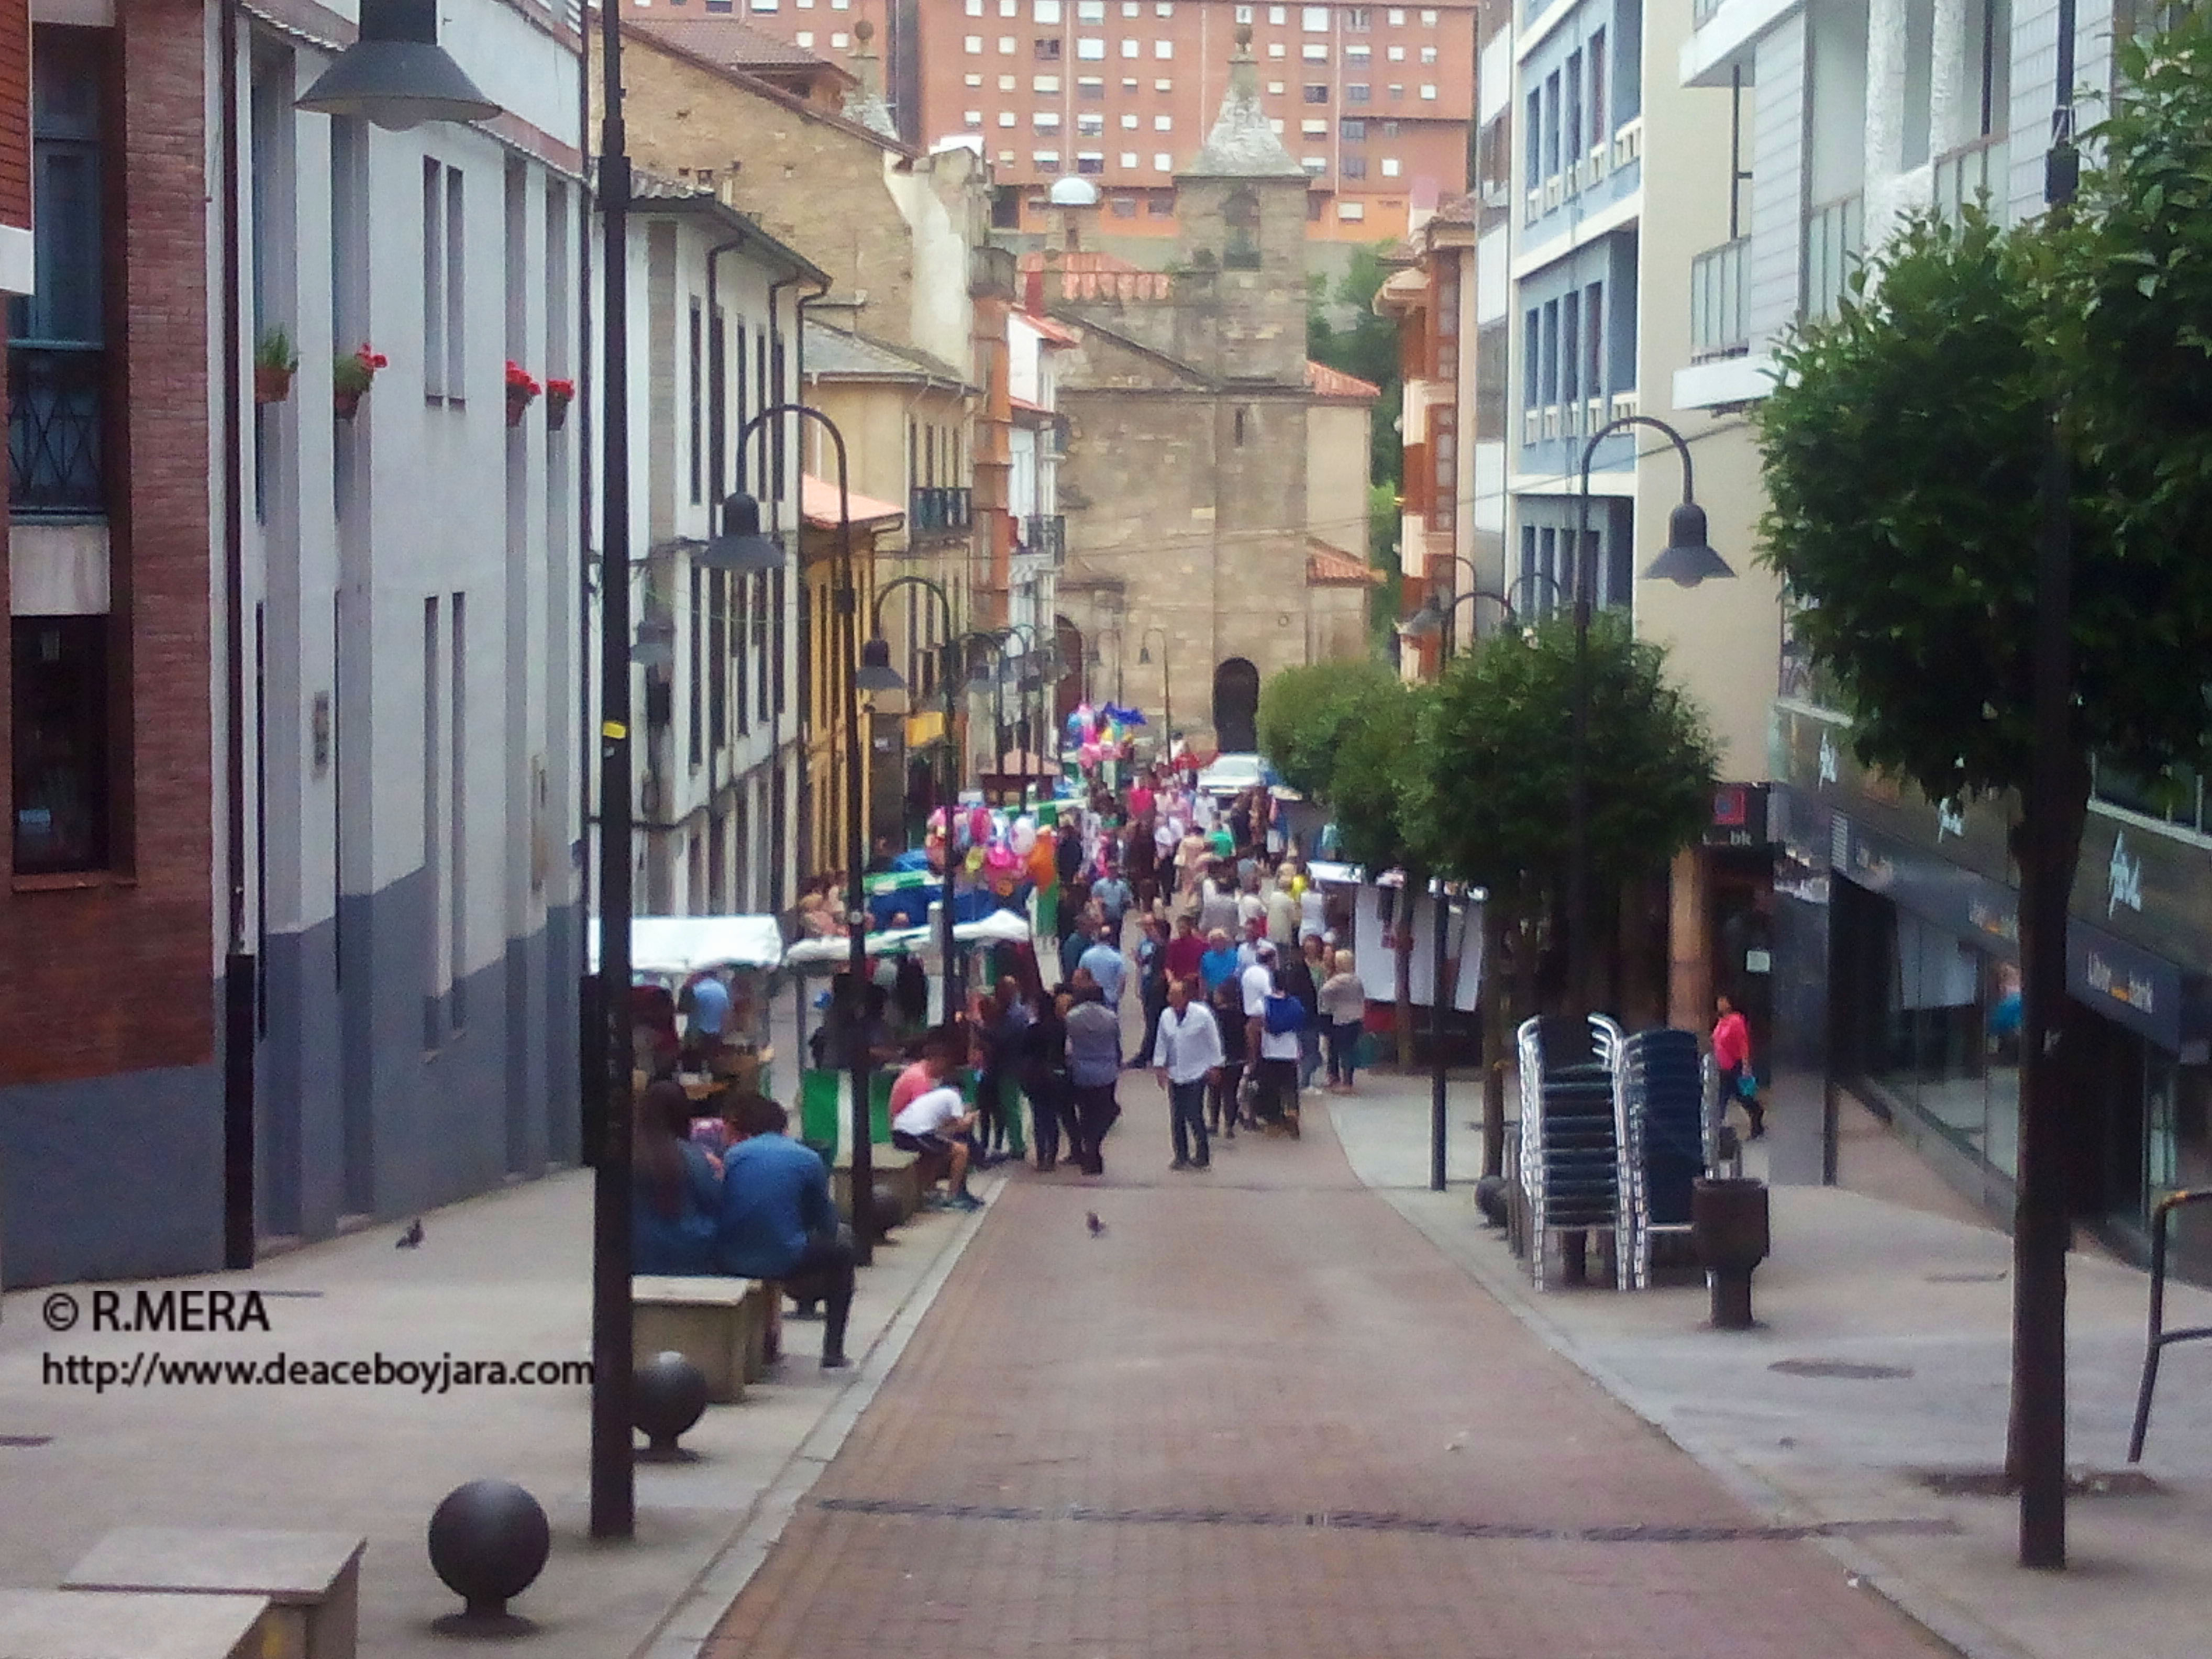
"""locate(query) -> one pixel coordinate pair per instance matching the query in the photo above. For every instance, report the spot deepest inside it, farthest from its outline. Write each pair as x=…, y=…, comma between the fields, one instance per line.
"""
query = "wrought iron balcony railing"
x=57, y=405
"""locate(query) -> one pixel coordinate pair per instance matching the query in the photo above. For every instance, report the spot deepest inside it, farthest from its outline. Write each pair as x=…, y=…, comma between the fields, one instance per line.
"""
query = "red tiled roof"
x=1083, y=259
x=817, y=500
x=1332, y=566
x=1326, y=382
x=1058, y=333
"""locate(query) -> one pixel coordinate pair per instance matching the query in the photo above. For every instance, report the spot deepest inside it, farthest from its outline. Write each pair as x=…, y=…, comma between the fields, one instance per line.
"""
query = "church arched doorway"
x=1237, y=706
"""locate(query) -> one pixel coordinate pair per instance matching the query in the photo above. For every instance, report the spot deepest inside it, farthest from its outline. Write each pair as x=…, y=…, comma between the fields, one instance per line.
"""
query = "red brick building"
x=1374, y=101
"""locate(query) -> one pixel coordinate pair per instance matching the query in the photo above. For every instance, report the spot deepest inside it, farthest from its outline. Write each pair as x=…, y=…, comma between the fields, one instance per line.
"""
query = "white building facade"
x=1036, y=441
x=410, y=625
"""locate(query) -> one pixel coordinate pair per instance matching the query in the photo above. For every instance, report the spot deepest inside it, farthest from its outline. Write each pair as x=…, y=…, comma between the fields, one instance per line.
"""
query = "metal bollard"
x=1728, y=1228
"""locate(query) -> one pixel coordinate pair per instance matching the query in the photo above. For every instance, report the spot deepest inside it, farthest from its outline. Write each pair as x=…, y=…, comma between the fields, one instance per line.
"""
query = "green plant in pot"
x=352, y=375
x=276, y=360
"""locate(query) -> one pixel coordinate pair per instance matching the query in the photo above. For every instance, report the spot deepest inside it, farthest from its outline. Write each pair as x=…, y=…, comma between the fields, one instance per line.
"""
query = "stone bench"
x=134, y=1624
x=720, y=1324
x=312, y=1579
x=899, y=1170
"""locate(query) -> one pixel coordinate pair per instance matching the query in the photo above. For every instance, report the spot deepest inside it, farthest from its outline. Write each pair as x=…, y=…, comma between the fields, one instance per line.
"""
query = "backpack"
x=1286, y=1014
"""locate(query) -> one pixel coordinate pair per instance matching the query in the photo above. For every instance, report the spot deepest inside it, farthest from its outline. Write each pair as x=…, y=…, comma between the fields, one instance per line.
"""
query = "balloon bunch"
x=988, y=849
x=1097, y=735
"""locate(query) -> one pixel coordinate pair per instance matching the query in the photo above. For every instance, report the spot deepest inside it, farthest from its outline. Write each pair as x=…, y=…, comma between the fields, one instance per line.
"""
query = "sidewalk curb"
x=688, y=1624
x=1942, y=1619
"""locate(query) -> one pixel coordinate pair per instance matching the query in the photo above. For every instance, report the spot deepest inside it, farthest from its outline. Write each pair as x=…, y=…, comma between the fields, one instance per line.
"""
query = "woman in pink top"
x=1732, y=1056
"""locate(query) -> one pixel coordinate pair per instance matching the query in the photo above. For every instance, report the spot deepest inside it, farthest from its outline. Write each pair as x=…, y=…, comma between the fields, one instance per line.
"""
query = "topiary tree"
x=1491, y=798
x=1303, y=714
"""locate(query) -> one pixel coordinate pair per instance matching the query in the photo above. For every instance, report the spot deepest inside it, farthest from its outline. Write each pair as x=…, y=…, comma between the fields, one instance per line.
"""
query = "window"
x=1091, y=125
x=1314, y=52
x=974, y=43
x=1531, y=358
x=805, y=39
x=975, y=8
x=1314, y=165
x=1160, y=204
x=1131, y=48
x=1276, y=126
x=1352, y=167
x=1274, y=88
x=1396, y=54
x=1129, y=121
x=1010, y=8
x=1314, y=129
x=695, y=703
x=433, y=279
x=1164, y=124
x=1046, y=83
x=1046, y=49
x=1007, y=118
x=1162, y=8
x=56, y=369
x=1163, y=48
x=1007, y=45
x=1128, y=83
x=1352, y=129
x=1429, y=93
x=973, y=80
x=1046, y=161
x=1007, y=83
x=1089, y=161
x=1276, y=49
x=696, y=389
x=1358, y=19
x=1551, y=376
x=1164, y=86
x=1599, y=131
x=1091, y=48
x=1243, y=14
x=1314, y=19
x=1357, y=92
x=1574, y=113
x=1397, y=17
x=1131, y=8
x=1163, y=162
x=1090, y=86
x=1389, y=129
x=59, y=692
x=1551, y=124
x=1044, y=11
x=1428, y=20
x=1090, y=11
x=1129, y=161
x=1428, y=54
x=1570, y=352
x=840, y=42
x=1125, y=207
x=1352, y=212
x=1597, y=381
x=1315, y=92
x=1046, y=120
x=971, y=118
x=1358, y=56
x=1279, y=15
x=1389, y=167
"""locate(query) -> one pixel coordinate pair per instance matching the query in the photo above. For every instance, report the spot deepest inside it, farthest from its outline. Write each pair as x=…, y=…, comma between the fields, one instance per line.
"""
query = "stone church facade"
x=1215, y=482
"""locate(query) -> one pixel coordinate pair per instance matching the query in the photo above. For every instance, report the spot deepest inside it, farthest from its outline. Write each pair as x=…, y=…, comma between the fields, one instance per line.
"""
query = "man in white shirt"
x=934, y=1126
x=1186, y=1057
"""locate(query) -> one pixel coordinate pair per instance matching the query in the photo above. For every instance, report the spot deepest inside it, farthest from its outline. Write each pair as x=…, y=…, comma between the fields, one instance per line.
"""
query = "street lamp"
x=876, y=674
x=1167, y=691
x=395, y=75
x=740, y=549
x=1686, y=561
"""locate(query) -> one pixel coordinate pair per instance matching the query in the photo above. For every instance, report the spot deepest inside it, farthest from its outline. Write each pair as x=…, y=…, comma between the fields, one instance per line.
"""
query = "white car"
x=1230, y=775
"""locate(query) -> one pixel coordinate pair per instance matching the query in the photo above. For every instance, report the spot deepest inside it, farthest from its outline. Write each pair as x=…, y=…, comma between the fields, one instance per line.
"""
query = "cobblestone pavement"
x=1262, y=1415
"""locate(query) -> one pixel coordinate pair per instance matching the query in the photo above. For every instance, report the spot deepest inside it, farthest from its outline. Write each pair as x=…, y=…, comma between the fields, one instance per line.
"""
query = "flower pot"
x=347, y=404
x=518, y=406
x=556, y=413
x=271, y=386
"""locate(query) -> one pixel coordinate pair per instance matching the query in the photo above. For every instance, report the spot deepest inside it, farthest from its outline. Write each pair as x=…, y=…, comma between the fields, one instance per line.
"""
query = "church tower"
x=1242, y=206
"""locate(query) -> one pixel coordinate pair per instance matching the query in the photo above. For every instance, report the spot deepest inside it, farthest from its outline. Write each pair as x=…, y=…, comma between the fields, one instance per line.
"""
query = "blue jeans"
x=1187, y=1108
x=1308, y=1055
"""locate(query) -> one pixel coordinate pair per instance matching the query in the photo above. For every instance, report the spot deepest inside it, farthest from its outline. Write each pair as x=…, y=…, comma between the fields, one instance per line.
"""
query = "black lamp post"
x=395, y=74
x=1686, y=561
x=876, y=674
x=991, y=671
x=1167, y=691
x=742, y=547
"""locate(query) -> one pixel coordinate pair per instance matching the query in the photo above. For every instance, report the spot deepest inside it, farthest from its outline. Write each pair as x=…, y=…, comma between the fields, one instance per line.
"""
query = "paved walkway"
x=1261, y=1414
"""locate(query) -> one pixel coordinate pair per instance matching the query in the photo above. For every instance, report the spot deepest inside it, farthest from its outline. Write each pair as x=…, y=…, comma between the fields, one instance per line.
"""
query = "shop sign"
x=2123, y=878
x=2146, y=994
x=1739, y=817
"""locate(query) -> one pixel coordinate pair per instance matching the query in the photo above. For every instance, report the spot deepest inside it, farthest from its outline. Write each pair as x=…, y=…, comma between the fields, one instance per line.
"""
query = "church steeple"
x=1243, y=144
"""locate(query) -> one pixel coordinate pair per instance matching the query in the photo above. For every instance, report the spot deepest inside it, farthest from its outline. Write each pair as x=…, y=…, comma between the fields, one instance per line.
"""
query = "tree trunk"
x=1497, y=1023
x=1416, y=883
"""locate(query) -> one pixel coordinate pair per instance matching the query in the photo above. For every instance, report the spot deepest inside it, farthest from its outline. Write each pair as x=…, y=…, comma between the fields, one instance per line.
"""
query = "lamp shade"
x=1688, y=559
x=741, y=547
x=396, y=74
x=1144, y=656
x=875, y=673
x=655, y=647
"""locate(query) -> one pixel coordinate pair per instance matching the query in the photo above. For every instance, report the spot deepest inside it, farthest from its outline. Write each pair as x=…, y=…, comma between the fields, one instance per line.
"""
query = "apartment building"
x=1374, y=101
x=1893, y=932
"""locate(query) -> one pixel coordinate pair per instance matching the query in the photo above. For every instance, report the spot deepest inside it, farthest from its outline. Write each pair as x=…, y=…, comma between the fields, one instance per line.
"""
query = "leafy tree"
x=1367, y=347
x=1491, y=799
x=1303, y=712
x=1377, y=755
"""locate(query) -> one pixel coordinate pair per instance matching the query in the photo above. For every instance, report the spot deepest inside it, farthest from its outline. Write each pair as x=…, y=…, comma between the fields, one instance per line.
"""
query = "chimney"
x=865, y=102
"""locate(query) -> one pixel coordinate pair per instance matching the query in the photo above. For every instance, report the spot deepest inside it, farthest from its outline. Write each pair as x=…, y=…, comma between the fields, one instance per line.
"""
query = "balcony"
x=57, y=399
x=1702, y=12
x=1835, y=238
x=1717, y=328
x=937, y=511
x=1046, y=533
x=1971, y=172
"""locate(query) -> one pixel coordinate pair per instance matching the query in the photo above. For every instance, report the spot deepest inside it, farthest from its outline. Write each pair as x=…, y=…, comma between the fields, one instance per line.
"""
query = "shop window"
x=60, y=730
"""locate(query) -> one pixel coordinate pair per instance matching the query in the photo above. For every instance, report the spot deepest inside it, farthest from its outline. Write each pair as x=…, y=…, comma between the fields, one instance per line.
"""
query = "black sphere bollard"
x=886, y=1209
x=668, y=1395
x=1490, y=1198
x=489, y=1541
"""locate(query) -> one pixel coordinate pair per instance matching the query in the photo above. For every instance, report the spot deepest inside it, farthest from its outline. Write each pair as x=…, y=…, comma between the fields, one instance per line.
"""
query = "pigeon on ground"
x=1092, y=1221
x=412, y=1237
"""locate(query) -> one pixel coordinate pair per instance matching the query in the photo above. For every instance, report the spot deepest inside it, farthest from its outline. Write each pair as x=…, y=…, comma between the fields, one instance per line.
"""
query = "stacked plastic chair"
x=1573, y=1129
x=1663, y=1091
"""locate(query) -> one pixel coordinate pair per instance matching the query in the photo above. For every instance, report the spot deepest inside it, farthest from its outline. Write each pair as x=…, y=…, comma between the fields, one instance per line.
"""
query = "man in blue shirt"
x=709, y=1009
x=1105, y=963
x=777, y=1221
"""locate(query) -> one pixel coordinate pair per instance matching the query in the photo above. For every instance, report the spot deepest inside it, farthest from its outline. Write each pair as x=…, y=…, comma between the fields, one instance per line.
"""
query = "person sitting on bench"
x=934, y=1128
x=777, y=1221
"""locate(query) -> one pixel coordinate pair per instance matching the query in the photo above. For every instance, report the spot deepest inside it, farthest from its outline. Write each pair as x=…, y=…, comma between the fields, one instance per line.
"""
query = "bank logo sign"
x=2123, y=878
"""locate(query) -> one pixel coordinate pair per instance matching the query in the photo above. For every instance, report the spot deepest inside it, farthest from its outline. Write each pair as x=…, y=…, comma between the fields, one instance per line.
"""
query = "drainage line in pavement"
x=1372, y=1520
